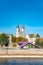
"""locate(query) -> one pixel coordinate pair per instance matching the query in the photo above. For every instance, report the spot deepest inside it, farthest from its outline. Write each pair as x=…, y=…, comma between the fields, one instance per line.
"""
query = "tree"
x=4, y=39
x=21, y=39
x=13, y=38
x=18, y=39
x=38, y=35
x=39, y=43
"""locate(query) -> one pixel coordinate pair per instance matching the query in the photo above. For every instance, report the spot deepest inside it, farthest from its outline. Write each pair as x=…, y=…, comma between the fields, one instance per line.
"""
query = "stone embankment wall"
x=21, y=52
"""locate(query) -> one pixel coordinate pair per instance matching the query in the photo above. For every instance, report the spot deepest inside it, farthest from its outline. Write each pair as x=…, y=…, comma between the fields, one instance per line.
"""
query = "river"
x=21, y=61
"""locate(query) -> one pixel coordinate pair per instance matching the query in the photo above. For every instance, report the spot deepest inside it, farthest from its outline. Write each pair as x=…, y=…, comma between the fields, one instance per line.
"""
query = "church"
x=20, y=31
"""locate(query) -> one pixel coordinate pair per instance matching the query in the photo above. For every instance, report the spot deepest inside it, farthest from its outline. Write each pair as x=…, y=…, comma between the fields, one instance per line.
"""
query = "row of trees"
x=18, y=39
x=4, y=40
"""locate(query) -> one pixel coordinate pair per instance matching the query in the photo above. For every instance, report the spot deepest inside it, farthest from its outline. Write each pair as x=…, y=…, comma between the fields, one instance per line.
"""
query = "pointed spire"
x=17, y=26
x=23, y=26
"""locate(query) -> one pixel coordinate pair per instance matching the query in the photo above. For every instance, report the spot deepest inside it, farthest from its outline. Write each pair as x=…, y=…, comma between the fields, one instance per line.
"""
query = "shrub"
x=14, y=44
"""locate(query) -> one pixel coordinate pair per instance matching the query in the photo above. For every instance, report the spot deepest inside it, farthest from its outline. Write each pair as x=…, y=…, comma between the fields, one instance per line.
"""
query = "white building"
x=19, y=31
x=9, y=38
x=30, y=37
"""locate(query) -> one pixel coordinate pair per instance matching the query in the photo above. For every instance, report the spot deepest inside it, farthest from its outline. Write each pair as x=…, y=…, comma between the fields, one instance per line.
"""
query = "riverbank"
x=21, y=53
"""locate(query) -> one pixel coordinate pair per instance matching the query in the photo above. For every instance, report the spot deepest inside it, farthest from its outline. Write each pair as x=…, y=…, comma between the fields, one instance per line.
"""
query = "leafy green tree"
x=4, y=39
x=39, y=43
x=21, y=39
x=38, y=36
x=13, y=38
x=42, y=44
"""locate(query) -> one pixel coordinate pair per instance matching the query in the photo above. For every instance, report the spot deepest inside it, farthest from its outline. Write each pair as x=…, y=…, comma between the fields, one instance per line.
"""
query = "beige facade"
x=30, y=37
x=19, y=31
x=9, y=38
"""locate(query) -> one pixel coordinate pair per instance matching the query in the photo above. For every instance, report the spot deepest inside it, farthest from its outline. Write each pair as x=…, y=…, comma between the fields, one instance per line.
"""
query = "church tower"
x=22, y=29
x=17, y=31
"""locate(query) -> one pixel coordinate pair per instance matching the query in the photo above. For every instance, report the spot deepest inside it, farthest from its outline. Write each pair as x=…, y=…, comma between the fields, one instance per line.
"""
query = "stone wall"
x=21, y=51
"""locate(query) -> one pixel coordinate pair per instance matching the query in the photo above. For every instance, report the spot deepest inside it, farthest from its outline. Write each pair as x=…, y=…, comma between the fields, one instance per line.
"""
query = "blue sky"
x=23, y=12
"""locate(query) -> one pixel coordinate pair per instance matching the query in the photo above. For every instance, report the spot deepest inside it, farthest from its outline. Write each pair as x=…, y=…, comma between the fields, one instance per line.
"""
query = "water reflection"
x=21, y=61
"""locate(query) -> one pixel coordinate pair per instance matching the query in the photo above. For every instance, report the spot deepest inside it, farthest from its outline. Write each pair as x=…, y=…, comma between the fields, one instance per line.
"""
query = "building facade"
x=20, y=31
x=9, y=38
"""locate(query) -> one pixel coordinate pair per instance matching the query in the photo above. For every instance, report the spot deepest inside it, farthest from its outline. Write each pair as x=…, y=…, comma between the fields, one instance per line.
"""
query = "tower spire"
x=17, y=26
x=22, y=29
x=17, y=30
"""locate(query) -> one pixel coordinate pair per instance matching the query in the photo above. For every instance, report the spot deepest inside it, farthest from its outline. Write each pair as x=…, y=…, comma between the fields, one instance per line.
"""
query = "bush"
x=14, y=44
x=39, y=43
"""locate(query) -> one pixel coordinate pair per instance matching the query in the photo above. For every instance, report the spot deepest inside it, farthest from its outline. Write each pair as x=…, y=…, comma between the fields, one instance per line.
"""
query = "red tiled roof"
x=41, y=39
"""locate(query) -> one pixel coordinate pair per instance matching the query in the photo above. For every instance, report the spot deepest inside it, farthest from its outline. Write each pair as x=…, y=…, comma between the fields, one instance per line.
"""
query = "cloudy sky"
x=23, y=12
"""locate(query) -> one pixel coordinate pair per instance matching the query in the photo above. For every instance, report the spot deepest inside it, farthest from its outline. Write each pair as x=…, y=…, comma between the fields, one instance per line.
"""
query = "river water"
x=22, y=62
